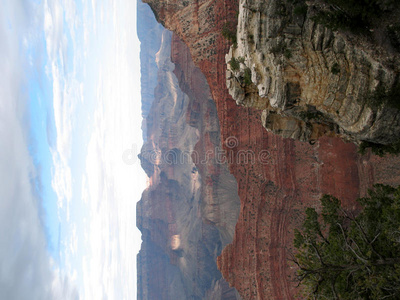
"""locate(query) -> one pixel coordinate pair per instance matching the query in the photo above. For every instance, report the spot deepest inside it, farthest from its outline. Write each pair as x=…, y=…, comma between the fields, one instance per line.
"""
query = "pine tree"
x=341, y=255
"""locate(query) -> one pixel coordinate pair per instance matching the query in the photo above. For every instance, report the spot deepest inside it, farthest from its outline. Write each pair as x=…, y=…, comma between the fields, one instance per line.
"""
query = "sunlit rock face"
x=286, y=176
x=309, y=80
x=188, y=212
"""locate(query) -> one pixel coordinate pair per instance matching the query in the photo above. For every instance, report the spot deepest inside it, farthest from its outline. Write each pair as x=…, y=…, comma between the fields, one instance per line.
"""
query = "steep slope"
x=276, y=177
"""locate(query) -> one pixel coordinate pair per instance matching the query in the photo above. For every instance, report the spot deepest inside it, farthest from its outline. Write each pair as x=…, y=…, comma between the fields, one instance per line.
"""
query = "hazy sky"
x=70, y=117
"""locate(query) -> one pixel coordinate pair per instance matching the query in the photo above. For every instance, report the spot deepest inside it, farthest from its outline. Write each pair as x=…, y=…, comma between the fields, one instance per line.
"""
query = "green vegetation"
x=311, y=115
x=281, y=9
x=354, y=15
x=247, y=76
x=300, y=10
x=287, y=53
x=378, y=97
x=379, y=149
x=382, y=96
x=394, y=35
x=281, y=48
x=335, y=69
x=342, y=255
x=229, y=34
x=234, y=64
x=334, y=21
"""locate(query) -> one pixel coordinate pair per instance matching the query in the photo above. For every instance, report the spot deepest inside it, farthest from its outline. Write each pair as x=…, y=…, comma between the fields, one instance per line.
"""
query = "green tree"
x=342, y=255
x=229, y=34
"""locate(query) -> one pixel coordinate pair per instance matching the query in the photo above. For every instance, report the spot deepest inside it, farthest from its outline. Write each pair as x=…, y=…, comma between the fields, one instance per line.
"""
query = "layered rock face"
x=276, y=177
x=310, y=81
x=188, y=212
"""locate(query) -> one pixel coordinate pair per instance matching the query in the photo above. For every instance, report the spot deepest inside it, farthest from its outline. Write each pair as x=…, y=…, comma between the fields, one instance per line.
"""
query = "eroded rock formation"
x=276, y=177
x=188, y=212
x=311, y=81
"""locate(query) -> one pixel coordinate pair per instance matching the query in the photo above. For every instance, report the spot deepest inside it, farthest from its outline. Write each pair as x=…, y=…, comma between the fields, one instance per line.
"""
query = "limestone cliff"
x=311, y=81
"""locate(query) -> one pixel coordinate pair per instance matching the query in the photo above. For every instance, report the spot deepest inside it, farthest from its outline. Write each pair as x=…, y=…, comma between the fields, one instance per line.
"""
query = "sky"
x=70, y=117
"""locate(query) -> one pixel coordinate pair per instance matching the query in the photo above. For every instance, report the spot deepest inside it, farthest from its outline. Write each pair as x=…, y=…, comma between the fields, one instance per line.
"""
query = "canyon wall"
x=276, y=177
x=189, y=210
x=149, y=33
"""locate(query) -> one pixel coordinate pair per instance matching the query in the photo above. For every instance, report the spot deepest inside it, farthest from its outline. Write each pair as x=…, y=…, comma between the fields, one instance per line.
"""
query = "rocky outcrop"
x=311, y=81
x=188, y=212
x=276, y=177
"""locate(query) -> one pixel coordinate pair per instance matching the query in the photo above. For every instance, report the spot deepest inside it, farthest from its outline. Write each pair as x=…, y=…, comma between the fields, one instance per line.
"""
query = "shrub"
x=343, y=255
x=311, y=115
x=247, y=76
x=331, y=20
x=382, y=96
x=229, y=34
x=234, y=64
x=335, y=69
x=241, y=59
x=354, y=15
x=379, y=149
x=287, y=53
x=300, y=10
x=281, y=48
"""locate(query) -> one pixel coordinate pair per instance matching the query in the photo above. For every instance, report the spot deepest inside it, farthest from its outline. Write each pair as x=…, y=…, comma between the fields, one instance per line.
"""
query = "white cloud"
x=113, y=187
x=94, y=8
x=73, y=245
x=110, y=188
x=71, y=16
x=56, y=42
x=26, y=270
x=67, y=91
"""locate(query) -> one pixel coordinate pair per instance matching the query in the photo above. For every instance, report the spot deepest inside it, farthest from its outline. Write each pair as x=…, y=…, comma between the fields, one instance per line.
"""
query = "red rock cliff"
x=277, y=178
